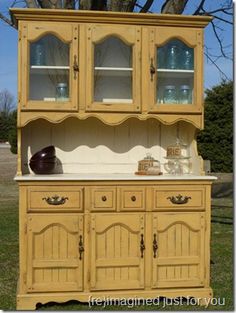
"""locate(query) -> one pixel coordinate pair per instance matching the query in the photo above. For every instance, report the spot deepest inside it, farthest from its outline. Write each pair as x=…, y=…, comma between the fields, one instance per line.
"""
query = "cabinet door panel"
x=50, y=80
x=116, y=261
x=53, y=258
x=179, y=260
x=113, y=71
x=176, y=84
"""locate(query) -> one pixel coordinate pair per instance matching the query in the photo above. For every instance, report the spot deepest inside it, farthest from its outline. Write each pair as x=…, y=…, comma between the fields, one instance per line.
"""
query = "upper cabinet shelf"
x=93, y=64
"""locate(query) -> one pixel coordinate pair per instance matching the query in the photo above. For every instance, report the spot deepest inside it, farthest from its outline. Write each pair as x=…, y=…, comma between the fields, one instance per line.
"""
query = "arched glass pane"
x=49, y=69
x=113, y=71
x=175, y=73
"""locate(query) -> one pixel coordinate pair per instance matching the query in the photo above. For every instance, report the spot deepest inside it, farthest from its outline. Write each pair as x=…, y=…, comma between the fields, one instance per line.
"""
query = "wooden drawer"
x=103, y=199
x=132, y=198
x=179, y=197
x=55, y=198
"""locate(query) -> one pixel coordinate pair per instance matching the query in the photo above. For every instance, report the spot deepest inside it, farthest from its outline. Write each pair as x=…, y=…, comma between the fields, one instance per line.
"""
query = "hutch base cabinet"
x=107, y=239
x=106, y=89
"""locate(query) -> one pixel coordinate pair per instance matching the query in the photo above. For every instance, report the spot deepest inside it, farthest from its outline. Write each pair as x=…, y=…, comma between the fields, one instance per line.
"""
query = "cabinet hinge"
x=19, y=95
x=19, y=35
x=88, y=276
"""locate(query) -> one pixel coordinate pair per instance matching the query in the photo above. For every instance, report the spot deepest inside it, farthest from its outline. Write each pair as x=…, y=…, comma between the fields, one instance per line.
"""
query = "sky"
x=212, y=77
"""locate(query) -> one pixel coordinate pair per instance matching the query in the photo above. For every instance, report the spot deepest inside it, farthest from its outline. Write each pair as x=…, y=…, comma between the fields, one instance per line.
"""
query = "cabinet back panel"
x=89, y=146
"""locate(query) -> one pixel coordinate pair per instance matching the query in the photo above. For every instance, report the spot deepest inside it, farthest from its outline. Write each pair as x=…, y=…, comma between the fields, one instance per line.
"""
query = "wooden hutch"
x=108, y=232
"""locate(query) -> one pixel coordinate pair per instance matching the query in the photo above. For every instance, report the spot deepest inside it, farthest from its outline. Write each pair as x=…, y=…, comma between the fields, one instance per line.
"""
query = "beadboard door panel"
x=116, y=259
x=53, y=259
x=179, y=257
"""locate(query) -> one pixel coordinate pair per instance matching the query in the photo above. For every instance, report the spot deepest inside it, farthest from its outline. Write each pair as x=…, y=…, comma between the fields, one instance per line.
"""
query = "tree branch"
x=173, y=6
x=7, y=20
x=140, y=7
x=221, y=19
x=214, y=63
x=218, y=39
x=146, y=6
x=31, y=3
x=200, y=7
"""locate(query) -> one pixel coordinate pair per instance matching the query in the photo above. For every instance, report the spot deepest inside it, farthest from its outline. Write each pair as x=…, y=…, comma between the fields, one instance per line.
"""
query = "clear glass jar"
x=39, y=55
x=172, y=56
x=62, y=92
x=184, y=94
x=161, y=57
x=187, y=58
x=170, y=94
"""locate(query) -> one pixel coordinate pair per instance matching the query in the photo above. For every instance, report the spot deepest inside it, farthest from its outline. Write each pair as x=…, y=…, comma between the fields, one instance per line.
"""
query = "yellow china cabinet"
x=107, y=89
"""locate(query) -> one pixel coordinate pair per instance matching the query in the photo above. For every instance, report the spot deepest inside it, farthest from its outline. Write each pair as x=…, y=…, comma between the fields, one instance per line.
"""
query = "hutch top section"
x=87, y=63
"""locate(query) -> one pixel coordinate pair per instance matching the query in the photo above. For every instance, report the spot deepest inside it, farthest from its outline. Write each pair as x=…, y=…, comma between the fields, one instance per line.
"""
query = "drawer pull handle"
x=75, y=67
x=133, y=198
x=104, y=198
x=81, y=247
x=142, y=245
x=152, y=70
x=55, y=200
x=154, y=246
x=179, y=199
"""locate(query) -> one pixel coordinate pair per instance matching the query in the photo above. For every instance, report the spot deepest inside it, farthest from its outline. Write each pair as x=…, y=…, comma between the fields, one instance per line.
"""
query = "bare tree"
x=7, y=102
x=222, y=13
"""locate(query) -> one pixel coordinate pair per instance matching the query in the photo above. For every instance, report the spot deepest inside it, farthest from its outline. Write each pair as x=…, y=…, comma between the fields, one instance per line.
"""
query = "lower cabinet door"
x=178, y=250
x=53, y=261
x=117, y=251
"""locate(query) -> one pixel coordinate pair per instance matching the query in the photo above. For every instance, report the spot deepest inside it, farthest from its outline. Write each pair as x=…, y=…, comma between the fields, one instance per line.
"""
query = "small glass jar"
x=172, y=56
x=170, y=94
x=62, y=92
x=39, y=54
x=184, y=95
x=187, y=59
x=161, y=57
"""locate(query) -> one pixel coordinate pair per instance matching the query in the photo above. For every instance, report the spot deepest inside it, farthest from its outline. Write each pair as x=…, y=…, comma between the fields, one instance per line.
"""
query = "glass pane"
x=49, y=70
x=113, y=71
x=175, y=73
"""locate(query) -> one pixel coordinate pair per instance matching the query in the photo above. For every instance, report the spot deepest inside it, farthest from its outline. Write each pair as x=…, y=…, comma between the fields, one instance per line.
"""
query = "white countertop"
x=108, y=177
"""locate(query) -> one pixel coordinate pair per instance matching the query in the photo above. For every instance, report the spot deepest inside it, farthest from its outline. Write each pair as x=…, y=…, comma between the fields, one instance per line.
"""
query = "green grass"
x=221, y=255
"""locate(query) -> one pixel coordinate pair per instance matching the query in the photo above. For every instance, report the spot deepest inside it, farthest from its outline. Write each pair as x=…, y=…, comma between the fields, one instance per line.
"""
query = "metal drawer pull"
x=142, y=245
x=133, y=198
x=179, y=199
x=154, y=246
x=81, y=247
x=104, y=198
x=55, y=200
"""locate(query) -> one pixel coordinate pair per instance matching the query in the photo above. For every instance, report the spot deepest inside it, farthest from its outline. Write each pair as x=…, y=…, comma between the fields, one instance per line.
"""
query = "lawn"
x=221, y=256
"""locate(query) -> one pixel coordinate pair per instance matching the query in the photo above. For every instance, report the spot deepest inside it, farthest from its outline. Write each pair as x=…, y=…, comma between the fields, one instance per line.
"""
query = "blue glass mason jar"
x=187, y=58
x=173, y=56
x=170, y=94
x=39, y=54
x=185, y=94
x=62, y=92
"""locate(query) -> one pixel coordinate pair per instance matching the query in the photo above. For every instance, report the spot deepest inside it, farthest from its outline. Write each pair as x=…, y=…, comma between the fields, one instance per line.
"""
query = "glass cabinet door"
x=52, y=68
x=175, y=73
x=113, y=68
x=175, y=69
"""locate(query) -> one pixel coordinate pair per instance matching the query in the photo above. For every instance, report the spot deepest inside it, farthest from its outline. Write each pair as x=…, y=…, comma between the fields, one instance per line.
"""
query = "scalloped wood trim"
x=109, y=17
x=111, y=119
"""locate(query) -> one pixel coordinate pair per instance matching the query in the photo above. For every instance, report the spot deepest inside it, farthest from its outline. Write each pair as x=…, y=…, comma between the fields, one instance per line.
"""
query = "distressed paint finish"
x=110, y=237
